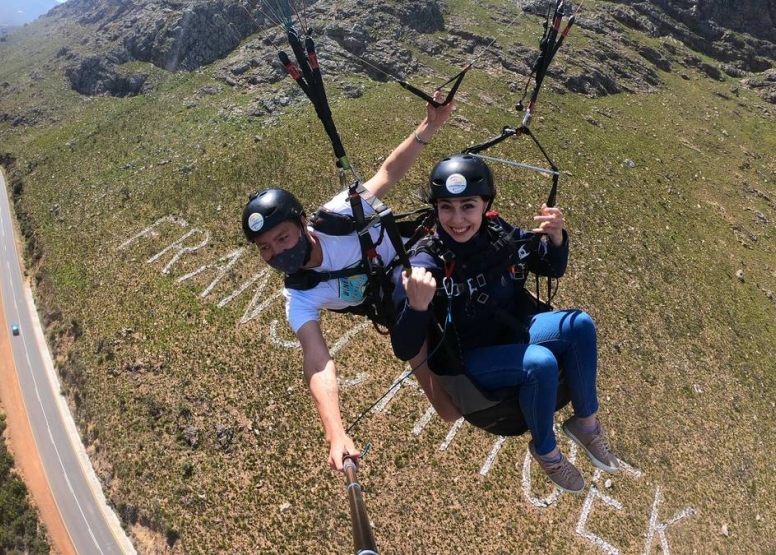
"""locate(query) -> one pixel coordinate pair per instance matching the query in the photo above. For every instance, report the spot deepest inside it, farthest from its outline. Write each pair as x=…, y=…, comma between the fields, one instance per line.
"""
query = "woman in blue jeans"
x=464, y=302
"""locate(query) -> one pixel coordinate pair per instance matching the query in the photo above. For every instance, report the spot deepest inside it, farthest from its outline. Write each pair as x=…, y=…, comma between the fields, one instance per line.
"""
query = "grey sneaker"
x=593, y=443
x=563, y=474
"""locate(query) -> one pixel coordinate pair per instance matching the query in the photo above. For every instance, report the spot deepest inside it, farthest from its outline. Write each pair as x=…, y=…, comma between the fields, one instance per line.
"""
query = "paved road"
x=92, y=526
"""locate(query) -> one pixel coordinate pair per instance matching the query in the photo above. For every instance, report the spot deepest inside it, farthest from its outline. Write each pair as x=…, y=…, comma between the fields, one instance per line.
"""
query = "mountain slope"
x=187, y=387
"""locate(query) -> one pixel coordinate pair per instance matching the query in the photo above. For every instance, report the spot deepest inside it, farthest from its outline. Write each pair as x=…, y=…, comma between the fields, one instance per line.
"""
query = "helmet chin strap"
x=309, y=252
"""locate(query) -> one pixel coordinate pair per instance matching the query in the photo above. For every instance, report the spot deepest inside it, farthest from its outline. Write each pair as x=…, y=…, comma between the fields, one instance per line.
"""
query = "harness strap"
x=501, y=242
x=368, y=248
x=378, y=288
x=384, y=216
x=424, y=227
x=304, y=280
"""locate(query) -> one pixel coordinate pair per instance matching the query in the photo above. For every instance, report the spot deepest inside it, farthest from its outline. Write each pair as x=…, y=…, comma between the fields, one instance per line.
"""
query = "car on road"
x=15, y=329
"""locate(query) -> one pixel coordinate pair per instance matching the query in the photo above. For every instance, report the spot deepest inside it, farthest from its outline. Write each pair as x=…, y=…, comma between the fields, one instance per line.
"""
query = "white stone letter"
x=223, y=269
x=180, y=249
x=660, y=527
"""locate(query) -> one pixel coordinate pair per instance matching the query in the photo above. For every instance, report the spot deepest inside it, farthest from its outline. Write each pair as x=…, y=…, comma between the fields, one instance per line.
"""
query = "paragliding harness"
x=504, y=256
x=377, y=305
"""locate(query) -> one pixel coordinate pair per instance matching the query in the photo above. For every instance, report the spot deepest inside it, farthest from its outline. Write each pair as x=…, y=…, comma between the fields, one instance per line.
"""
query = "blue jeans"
x=565, y=335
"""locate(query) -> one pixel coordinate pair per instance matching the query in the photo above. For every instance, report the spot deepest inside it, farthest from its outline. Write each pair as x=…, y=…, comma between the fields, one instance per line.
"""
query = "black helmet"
x=461, y=175
x=268, y=208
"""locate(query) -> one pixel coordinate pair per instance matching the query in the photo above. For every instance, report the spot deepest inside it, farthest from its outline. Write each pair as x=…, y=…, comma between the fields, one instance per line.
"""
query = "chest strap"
x=304, y=280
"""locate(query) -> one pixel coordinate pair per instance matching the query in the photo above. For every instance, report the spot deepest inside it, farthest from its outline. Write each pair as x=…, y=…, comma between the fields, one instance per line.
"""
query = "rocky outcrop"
x=189, y=37
x=92, y=76
x=370, y=37
x=765, y=85
x=173, y=35
x=358, y=37
x=756, y=18
x=742, y=34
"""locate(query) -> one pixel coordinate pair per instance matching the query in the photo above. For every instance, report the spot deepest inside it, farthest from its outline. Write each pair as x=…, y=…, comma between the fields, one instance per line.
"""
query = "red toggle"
x=313, y=59
x=293, y=72
x=449, y=267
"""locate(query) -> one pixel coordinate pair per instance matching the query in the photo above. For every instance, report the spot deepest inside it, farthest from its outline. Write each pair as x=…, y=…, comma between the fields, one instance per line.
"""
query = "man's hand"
x=340, y=447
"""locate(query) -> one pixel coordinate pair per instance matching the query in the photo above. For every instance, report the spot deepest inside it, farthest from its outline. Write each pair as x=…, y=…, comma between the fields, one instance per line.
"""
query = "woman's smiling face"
x=461, y=218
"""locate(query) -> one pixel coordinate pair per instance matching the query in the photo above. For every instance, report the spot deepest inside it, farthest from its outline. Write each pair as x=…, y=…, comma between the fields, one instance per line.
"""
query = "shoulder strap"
x=332, y=223
x=434, y=246
x=384, y=216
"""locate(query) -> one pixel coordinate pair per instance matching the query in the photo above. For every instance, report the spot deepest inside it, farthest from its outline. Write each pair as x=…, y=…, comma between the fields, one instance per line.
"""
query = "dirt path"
x=21, y=444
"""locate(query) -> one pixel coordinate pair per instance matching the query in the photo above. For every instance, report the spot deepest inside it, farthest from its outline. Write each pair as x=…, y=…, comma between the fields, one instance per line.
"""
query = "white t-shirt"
x=339, y=252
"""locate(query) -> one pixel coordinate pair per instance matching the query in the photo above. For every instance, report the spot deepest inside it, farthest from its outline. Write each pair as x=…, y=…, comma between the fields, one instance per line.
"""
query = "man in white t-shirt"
x=338, y=252
x=275, y=221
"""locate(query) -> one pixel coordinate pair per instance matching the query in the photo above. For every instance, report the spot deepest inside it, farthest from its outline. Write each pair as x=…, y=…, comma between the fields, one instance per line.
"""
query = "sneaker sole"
x=574, y=491
x=597, y=463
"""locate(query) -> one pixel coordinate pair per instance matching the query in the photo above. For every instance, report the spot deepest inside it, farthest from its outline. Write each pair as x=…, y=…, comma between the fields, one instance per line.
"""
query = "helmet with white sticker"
x=266, y=209
x=460, y=176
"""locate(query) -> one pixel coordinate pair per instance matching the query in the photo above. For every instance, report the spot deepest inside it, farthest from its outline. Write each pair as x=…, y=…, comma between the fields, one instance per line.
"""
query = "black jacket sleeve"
x=552, y=260
x=411, y=328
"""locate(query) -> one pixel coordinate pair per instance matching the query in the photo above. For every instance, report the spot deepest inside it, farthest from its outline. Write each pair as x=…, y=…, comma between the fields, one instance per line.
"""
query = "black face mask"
x=291, y=260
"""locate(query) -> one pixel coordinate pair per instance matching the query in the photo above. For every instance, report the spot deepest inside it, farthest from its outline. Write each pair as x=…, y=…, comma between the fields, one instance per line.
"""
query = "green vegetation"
x=203, y=421
x=20, y=532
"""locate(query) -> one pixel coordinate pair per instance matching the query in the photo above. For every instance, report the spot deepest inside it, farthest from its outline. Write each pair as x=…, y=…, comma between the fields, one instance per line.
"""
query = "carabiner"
x=447, y=284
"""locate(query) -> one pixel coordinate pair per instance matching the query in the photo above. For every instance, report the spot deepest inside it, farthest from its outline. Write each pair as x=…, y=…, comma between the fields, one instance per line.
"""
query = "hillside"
x=132, y=133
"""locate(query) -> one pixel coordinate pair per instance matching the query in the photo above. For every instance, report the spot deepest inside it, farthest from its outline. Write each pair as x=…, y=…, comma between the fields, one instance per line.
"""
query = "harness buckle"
x=517, y=272
x=481, y=281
